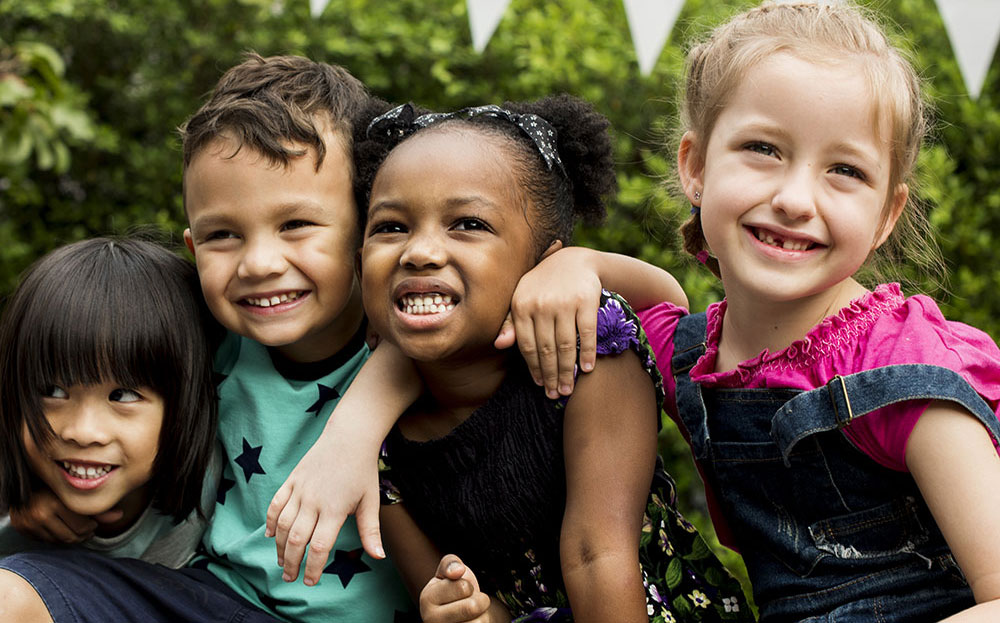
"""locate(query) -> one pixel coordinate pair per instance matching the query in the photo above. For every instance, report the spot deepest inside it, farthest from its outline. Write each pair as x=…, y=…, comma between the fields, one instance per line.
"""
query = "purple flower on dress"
x=615, y=331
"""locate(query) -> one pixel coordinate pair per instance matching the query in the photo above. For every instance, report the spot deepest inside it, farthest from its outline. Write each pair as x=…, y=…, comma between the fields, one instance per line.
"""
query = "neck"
x=130, y=508
x=752, y=325
x=453, y=391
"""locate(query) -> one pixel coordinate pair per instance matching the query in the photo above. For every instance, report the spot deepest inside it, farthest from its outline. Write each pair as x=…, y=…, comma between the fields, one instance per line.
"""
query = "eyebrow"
x=301, y=209
x=450, y=203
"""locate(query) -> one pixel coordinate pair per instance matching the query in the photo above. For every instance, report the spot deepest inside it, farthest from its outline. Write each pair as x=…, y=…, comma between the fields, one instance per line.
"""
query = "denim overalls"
x=827, y=534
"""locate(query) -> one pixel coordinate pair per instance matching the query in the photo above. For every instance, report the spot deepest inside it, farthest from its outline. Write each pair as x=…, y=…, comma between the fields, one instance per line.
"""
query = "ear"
x=188, y=240
x=555, y=246
x=690, y=166
x=896, y=205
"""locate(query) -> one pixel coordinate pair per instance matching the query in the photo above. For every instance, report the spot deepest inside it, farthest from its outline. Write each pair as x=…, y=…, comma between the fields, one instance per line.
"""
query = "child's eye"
x=54, y=391
x=299, y=224
x=471, y=224
x=124, y=395
x=848, y=170
x=220, y=234
x=765, y=149
x=387, y=227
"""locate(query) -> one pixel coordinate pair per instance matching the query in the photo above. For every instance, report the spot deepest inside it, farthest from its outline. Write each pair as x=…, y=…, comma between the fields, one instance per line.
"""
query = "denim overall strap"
x=689, y=346
x=861, y=393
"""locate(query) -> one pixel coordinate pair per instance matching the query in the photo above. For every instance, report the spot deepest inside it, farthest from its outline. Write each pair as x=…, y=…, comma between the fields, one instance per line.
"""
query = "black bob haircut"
x=111, y=309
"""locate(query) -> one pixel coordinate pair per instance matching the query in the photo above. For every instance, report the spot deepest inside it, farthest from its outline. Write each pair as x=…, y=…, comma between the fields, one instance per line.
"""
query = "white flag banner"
x=318, y=6
x=484, y=15
x=974, y=29
x=650, y=22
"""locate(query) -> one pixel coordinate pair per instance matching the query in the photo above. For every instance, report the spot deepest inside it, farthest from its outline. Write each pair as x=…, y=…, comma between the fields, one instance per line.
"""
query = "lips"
x=86, y=475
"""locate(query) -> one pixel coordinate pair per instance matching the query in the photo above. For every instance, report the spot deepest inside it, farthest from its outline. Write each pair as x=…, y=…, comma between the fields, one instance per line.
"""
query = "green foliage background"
x=91, y=92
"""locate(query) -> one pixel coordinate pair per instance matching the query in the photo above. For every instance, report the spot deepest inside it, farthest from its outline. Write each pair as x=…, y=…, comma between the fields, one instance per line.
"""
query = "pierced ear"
x=896, y=205
x=188, y=240
x=555, y=246
x=690, y=166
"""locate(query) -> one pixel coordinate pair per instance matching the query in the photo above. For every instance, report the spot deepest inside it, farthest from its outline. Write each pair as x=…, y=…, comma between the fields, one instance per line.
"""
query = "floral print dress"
x=493, y=492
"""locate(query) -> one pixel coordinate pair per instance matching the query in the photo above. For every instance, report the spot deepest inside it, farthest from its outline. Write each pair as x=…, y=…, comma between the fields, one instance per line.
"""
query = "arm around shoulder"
x=610, y=448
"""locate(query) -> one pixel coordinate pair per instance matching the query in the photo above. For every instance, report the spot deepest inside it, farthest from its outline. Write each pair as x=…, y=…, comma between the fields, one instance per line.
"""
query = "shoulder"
x=917, y=332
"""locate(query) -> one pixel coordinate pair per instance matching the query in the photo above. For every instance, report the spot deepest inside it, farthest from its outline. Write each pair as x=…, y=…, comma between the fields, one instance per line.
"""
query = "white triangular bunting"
x=974, y=29
x=650, y=22
x=318, y=6
x=484, y=16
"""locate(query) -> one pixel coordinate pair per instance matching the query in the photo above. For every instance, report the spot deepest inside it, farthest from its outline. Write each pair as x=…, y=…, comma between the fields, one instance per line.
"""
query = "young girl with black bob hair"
x=544, y=509
x=107, y=401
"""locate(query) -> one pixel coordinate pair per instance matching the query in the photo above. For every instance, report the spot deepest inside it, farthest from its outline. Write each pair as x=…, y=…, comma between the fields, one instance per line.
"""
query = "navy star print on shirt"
x=326, y=394
x=225, y=484
x=347, y=564
x=250, y=460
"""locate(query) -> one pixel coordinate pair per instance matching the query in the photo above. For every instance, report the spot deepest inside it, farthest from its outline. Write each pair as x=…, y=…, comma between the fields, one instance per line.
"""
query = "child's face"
x=446, y=242
x=103, y=447
x=794, y=181
x=275, y=246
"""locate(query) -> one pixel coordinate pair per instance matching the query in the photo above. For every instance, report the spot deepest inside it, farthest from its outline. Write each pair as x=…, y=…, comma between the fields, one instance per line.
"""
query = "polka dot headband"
x=400, y=122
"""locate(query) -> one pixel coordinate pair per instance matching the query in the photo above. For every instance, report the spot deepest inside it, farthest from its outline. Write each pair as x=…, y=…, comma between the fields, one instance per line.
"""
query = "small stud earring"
x=697, y=195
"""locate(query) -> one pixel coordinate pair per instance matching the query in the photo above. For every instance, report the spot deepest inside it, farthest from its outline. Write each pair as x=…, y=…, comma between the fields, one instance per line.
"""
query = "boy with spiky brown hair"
x=269, y=196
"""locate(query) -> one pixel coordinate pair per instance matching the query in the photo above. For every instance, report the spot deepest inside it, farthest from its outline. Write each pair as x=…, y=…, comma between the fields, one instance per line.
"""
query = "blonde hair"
x=819, y=31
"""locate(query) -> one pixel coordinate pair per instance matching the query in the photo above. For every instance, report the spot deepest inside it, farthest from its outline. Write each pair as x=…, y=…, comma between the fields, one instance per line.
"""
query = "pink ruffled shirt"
x=879, y=329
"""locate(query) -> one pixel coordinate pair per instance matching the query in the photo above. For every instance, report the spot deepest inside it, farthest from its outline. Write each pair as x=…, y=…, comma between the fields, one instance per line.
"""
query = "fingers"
x=368, y=526
x=450, y=567
x=275, y=507
x=282, y=525
x=586, y=326
x=300, y=533
x=505, y=337
x=320, y=546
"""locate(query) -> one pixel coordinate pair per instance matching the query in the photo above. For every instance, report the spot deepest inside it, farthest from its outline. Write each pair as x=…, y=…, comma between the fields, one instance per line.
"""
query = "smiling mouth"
x=426, y=303
x=788, y=244
x=273, y=300
x=86, y=472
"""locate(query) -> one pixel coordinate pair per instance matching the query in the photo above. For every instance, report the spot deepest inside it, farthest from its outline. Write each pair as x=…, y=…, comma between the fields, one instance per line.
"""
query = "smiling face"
x=102, y=451
x=793, y=184
x=446, y=242
x=275, y=246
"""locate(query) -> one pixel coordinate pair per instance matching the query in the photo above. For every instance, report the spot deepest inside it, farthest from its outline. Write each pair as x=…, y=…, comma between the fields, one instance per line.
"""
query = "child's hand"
x=46, y=518
x=453, y=595
x=548, y=311
x=311, y=506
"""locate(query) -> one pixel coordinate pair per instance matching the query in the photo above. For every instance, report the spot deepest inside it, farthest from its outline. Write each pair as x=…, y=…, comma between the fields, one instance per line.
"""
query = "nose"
x=423, y=250
x=262, y=257
x=87, y=425
x=796, y=196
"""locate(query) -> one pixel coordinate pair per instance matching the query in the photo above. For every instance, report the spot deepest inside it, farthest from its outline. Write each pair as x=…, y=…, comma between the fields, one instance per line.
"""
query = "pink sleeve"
x=659, y=322
x=918, y=333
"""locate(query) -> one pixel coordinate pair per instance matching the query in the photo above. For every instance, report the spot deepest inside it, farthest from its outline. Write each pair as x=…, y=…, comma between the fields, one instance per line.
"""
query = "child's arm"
x=558, y=299
x=46, y=518
x=610, y=449
x=954, y=463
x=445, y=588
x=339, y=474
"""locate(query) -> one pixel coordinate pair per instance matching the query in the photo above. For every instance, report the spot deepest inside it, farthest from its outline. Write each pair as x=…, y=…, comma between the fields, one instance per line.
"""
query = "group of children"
x=847, y=436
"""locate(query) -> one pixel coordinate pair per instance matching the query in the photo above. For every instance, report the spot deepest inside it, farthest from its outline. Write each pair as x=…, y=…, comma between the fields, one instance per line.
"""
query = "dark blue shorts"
x=79, y=586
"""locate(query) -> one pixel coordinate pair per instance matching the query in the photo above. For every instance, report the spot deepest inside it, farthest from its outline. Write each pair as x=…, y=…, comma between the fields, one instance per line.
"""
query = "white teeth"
x=273, y=300
x=433, y=303
x=792, y=245
x=88, y=472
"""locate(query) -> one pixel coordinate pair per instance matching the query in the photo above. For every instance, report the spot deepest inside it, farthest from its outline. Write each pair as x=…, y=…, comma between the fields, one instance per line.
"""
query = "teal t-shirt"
x=268, y=419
